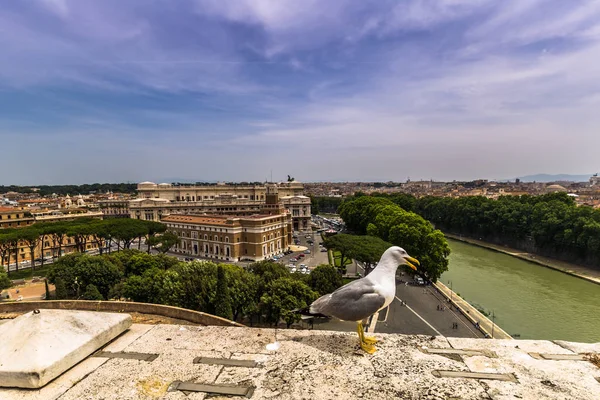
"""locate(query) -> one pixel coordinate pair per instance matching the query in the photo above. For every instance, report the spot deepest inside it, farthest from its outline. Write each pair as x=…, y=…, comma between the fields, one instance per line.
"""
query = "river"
x=527, y=299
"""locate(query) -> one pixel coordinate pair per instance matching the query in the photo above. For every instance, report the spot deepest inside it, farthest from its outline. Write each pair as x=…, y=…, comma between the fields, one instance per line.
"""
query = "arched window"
x=226, y=240
x=205, y=237
x=264, y=238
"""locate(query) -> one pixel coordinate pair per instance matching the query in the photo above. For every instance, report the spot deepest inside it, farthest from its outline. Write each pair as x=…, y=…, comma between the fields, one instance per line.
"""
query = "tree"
x=324, y=279
x=165, y=262
x=6, y=246
x=139, y=262
x=380, y=216
x=47, y=289
x=5, y=282
x=147, y=288
x=91, y=293
x=222, y=299
x=368, y=250
x=31, y=237
x=242, y=286
x=282, y=296
x=267, y=272
x=60, y=291
x=163, y=243
x=345, y=244
x=153, y=229
x=57, y=231
x=79, y=270
x=80, y=232
x=191, y=285
x=125, y=231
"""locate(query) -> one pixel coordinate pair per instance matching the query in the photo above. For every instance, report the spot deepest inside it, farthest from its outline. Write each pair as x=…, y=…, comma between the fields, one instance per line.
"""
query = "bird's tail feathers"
x=306, y=314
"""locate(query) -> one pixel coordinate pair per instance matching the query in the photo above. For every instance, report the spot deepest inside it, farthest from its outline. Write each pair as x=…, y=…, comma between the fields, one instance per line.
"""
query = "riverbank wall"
x=481, y=322
x=585, y=273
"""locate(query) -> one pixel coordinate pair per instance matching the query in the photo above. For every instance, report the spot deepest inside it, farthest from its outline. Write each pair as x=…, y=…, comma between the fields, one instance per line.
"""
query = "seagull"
x=359, y=299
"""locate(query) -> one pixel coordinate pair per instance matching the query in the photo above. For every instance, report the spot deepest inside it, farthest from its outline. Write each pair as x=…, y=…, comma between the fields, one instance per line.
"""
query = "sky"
x=242, y=90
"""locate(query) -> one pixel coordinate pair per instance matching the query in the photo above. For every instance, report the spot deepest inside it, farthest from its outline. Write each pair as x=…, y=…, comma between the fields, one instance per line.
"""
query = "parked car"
x=293, y=270
x=302, y=265
x=306, y=251
x=300, y=256
x=323, y=250
x=293, y=260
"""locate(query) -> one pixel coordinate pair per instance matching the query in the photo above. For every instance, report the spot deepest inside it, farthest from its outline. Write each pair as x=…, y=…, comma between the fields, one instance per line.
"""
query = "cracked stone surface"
x=40, y=345
x=320, y=365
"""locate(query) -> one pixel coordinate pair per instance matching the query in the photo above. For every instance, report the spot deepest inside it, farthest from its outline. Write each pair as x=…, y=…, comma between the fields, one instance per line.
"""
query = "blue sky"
x=124, y=90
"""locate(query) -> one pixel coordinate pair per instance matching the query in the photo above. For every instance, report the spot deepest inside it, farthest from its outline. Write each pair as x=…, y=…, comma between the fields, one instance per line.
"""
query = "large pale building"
x=156, y=201
x=234, y=237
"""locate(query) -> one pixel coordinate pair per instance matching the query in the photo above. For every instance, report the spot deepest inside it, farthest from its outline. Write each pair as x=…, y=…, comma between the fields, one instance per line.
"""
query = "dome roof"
x=147, y=183
x=556, y=188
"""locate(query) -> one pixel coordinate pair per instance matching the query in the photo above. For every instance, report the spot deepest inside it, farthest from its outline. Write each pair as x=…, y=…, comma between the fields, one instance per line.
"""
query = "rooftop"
x=211, y=219
x=323, y=365
x=197, y=219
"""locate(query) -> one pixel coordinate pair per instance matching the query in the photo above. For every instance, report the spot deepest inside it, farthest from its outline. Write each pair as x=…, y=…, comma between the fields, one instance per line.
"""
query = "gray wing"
x=352, y=302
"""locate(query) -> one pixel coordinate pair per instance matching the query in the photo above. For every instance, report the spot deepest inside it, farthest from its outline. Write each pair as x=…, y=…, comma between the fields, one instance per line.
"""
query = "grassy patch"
x=337, y=259
x=27, y=273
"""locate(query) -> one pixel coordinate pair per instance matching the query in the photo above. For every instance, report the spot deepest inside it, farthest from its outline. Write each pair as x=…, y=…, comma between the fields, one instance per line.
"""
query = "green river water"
x=527, y=299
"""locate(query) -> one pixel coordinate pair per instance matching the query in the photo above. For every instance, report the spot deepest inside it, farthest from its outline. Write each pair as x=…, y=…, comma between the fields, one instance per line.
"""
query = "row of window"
x=211, y=197
x=10, y=216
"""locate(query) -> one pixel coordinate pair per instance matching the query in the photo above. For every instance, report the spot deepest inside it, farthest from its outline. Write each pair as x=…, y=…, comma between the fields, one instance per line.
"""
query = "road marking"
x=421, y=318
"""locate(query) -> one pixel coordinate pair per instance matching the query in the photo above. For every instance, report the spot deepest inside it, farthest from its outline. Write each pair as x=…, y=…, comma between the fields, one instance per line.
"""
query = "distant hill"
x=554, y=178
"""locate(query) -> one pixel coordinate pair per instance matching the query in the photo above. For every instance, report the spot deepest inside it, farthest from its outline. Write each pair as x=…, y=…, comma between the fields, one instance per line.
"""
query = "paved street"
x=419, y=316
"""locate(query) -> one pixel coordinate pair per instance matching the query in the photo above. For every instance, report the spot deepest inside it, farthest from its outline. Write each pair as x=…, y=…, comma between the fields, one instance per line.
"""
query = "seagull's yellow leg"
x=366, y=339
x=369, y=348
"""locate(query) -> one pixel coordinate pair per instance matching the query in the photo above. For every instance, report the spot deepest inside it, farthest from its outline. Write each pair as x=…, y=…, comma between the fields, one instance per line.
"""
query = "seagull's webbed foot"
x=369, y=348
x=366, y=343
x=369, y=340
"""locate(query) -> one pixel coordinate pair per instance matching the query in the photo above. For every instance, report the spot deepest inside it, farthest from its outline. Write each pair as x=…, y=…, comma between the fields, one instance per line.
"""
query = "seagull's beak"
x=408, y=260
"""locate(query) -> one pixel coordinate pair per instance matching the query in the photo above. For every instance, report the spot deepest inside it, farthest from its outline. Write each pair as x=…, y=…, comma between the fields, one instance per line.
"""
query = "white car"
x=302, y=266
x=293, y=270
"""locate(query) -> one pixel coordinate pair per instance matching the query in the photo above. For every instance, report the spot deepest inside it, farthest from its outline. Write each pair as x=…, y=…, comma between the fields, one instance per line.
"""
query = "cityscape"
x=273, y=199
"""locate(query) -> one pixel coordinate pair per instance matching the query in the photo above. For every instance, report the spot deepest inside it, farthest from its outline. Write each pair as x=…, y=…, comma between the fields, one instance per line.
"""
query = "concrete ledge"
x=41, y=345
x=196, y=317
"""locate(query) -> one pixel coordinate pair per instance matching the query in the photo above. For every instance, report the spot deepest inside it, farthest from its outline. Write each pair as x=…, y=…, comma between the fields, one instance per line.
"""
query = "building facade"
x=231, y=238
x=156, y=201
x=11, y=217
x=299, y=207
x=235, y=237
x=20, y=218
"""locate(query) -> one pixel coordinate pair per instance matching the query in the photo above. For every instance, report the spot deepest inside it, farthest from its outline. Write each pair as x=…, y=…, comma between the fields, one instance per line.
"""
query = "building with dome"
x=555, y=189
